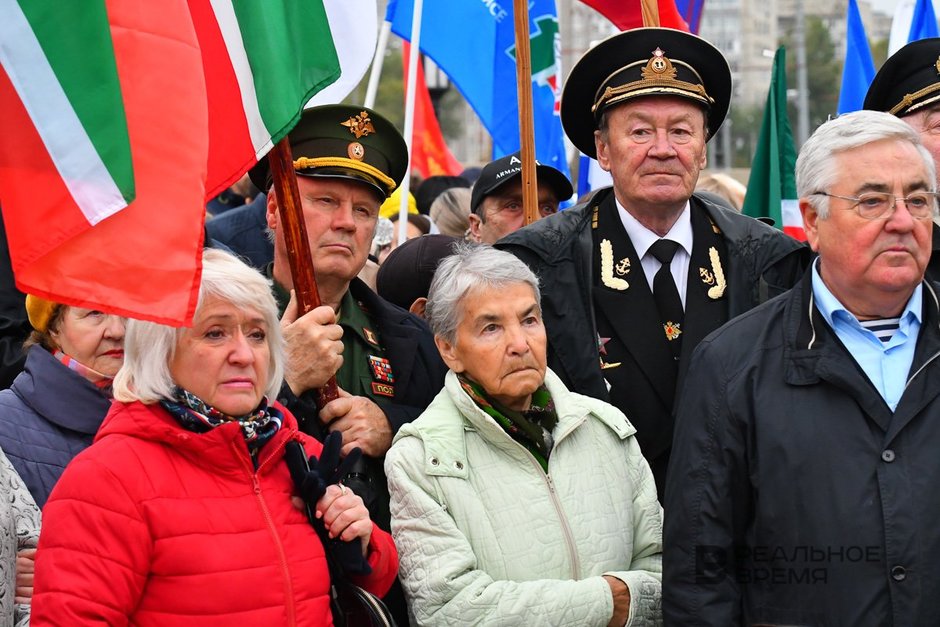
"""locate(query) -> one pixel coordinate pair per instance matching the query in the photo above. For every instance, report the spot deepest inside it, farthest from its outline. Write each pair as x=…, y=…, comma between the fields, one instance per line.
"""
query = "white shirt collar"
x=642, y=238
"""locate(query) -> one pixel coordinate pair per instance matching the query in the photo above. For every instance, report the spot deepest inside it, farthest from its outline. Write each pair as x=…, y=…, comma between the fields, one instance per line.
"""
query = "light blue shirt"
x=887, y=364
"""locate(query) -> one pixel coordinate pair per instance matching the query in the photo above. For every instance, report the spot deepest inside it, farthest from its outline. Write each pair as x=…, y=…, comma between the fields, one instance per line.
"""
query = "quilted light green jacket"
x=485, y=537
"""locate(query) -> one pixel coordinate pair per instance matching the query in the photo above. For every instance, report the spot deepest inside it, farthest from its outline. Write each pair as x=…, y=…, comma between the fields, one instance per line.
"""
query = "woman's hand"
x=345, y=515
x=25, y=564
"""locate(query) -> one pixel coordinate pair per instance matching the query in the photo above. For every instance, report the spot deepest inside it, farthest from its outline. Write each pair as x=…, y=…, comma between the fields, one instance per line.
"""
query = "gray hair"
x=472, y=267
x=816, y=166
x=149, y=347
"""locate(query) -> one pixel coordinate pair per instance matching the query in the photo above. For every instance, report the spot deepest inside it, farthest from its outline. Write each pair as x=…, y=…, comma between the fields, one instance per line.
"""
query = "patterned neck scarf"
x=531, y=428
x=101, y=381
x=195, y=415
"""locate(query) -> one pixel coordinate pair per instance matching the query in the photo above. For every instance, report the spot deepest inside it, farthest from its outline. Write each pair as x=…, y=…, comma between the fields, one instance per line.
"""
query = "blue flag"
x=859, y=69
x=691, y=11
x=924, y=22
x=473, y=43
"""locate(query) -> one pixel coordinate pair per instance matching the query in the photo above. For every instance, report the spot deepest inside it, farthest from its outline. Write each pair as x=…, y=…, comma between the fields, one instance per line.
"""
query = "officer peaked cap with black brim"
x=643, y=62
x=908, y=81
x=344, y=141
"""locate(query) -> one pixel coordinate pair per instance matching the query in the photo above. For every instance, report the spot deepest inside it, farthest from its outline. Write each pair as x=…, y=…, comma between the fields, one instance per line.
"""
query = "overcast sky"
x=887, y=6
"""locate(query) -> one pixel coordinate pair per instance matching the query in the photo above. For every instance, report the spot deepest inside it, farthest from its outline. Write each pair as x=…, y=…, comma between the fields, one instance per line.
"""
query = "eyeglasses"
x=874, y=205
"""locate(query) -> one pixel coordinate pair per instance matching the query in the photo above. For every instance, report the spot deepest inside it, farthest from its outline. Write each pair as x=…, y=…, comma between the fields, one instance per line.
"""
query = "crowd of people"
x=643, y=409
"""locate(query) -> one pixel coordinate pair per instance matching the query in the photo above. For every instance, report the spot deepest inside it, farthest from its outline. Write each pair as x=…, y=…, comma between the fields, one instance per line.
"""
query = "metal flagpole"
x=377, y=62
x=410, y=116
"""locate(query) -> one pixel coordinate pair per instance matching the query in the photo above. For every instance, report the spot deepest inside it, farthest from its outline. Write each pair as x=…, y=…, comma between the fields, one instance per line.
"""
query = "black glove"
x=311, y=478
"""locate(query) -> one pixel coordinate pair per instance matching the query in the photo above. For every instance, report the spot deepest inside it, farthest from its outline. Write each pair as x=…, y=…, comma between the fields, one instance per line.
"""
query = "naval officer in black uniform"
x=638, y=274
x=908, y=86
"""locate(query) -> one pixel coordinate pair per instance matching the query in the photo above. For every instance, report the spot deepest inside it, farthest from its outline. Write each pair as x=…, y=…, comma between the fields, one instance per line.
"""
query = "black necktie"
x=666, y=295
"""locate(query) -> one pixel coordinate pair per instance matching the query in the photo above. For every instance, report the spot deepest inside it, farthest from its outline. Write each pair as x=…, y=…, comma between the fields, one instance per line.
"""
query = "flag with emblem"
x=473, y=42
x=771, y=188
x=121, y=118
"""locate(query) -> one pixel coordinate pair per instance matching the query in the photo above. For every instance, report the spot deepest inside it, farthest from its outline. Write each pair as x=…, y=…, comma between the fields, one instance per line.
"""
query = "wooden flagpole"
x=298, y=245
x=530, y=189
x=650, y=12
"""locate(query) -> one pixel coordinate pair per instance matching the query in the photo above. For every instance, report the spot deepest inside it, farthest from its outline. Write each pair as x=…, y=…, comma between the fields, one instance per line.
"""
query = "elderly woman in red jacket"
x=181, y=512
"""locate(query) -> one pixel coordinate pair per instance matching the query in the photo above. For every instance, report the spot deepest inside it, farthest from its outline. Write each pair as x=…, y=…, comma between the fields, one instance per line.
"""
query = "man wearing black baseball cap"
x=638, y=274
x=908, y=86
x=496, y=199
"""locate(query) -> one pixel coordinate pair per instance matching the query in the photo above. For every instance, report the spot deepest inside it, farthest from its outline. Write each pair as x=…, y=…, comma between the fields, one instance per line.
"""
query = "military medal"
x=381, y=369
x=607, y=268
x=602, y=349
x=673, y=330
x=384, y=378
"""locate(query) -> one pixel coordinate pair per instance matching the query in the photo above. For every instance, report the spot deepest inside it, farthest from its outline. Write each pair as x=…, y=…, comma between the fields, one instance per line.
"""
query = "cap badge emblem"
x=356, y=151
x=359, y=125
x=658, y=66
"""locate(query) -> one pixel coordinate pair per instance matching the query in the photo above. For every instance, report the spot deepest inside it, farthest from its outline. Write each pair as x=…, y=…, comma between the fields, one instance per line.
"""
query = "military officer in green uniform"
x=348, y=160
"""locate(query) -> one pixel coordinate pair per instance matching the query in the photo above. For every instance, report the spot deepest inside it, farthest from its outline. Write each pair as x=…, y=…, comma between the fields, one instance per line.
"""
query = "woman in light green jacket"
x=515, y=501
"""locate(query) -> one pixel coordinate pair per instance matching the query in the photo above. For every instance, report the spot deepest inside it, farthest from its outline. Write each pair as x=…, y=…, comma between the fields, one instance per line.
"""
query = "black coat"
x=794, y=496
x=419, y=376
x=762, y=262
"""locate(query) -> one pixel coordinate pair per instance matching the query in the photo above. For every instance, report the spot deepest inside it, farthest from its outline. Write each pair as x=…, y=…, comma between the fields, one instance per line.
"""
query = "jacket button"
x=898, y=573
x=887, y=455
x=458, y=465
x=434, y=461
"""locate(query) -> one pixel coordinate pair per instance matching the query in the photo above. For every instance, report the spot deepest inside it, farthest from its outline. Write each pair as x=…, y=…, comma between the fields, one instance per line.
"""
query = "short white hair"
x=149, y=347
x=816, y=165
x=469, y=268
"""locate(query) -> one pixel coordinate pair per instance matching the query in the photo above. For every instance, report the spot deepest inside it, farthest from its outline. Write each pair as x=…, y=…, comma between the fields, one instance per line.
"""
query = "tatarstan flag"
x=771, y=187
x=263, y=61
x=118, y=119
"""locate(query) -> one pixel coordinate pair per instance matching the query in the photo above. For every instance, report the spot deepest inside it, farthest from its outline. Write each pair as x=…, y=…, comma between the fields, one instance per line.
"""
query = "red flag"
x=139, y=257
x=429, y=152
x=111, y=141
x=626, y=14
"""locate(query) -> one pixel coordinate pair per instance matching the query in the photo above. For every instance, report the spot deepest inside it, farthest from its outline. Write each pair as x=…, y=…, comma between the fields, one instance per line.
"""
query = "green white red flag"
x=771, y=187
x=118, y=119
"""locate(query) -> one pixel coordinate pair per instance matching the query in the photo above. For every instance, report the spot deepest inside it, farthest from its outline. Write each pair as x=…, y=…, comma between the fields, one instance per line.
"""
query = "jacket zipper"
x=569, y=537
x=282, y=556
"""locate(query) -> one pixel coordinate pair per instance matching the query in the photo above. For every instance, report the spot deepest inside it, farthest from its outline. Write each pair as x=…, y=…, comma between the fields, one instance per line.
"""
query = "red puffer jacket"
x=156, y=525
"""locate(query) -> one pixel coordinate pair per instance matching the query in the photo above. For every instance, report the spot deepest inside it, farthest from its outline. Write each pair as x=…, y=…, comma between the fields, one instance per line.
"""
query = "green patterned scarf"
x=531, y=428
